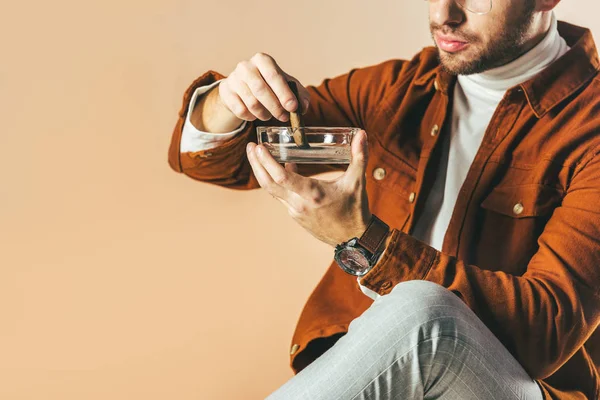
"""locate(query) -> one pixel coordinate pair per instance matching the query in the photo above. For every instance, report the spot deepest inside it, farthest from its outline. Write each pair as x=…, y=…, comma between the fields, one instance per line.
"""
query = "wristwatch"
x=358, y=255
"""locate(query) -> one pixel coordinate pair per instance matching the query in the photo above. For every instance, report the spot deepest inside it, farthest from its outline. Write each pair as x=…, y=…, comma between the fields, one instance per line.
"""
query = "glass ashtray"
x=327, y=145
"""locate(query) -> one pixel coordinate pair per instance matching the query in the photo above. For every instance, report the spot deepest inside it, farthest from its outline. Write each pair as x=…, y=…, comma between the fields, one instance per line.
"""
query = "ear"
x=546, y=5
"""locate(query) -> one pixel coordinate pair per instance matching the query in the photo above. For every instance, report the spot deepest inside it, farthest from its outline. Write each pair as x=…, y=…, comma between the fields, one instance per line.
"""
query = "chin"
x=458, y=64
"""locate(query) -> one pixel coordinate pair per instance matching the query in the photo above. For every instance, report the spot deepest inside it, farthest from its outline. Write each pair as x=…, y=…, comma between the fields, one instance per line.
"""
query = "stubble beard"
x=507, y=48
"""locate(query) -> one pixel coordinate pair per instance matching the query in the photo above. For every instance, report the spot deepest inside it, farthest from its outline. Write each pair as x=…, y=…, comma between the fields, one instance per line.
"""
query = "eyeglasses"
x=480, y=7
x=476, y=6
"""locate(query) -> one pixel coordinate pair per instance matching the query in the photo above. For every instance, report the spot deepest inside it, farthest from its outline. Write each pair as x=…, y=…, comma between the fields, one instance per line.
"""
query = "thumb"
x=360, y=152
x=291, y=167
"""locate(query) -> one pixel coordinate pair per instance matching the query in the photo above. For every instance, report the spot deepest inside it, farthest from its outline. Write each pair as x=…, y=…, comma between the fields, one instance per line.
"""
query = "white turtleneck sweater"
x=476, y=97
x=475, y=100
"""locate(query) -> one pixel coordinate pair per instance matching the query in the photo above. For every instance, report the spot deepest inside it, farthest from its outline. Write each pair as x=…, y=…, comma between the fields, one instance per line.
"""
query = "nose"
x=446, y=12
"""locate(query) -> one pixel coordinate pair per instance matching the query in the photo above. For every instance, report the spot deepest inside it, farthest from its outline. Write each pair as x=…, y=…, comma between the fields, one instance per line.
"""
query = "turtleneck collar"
x=496, y=81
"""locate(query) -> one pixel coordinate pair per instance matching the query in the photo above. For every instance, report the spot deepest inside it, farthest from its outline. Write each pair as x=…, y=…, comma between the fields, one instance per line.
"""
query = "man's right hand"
x=258, y=88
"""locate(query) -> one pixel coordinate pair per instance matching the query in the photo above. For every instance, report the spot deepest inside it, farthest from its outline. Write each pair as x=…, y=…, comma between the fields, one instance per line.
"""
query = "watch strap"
x=375, y=235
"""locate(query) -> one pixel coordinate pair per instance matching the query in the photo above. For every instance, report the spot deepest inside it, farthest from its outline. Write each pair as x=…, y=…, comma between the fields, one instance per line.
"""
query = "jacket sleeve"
x=343, y=101
x=193, y=139
x=544, y=316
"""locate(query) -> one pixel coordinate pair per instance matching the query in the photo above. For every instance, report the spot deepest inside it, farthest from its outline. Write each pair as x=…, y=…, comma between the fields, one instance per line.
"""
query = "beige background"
x=120, y=279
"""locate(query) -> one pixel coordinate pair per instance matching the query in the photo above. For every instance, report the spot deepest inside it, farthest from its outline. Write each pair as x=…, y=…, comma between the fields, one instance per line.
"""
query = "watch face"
x=353, y=261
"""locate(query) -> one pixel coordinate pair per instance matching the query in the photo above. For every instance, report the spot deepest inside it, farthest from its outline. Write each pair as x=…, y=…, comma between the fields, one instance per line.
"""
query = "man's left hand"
x=333, y=211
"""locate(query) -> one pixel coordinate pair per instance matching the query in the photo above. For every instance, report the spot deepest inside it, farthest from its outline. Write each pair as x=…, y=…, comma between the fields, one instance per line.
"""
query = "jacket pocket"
x=523, y=201
x=510, y=221
x=390, y=181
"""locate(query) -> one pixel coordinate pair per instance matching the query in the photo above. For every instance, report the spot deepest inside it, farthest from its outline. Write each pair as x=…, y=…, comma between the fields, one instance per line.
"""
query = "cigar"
x=296, y=120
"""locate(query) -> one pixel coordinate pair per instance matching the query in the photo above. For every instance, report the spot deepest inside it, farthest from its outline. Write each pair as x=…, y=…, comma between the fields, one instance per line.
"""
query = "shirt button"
x=436, y=85
x=435, y=130
x=379, y=173
x=412, y=197
x=518, y=208
x=294, y=349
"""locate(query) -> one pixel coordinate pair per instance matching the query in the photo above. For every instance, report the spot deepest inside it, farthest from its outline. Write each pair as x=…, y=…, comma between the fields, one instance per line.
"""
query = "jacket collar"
x=554, y=84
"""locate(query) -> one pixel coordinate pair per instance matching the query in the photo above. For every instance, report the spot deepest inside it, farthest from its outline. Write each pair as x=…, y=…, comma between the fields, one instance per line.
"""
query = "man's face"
x=469, y=43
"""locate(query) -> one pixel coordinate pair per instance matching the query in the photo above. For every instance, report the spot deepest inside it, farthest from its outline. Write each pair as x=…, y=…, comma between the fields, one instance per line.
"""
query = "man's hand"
x=332, y=211
x=256, y=89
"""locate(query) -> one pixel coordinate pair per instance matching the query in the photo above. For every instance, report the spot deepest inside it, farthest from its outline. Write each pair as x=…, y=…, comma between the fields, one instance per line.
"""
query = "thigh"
x=419, y=341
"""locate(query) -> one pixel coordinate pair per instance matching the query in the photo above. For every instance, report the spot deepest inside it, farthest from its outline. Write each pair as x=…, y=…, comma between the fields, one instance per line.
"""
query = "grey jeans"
x=418, y=342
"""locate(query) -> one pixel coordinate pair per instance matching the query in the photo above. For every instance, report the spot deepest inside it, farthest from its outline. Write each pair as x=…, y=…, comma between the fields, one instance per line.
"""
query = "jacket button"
x=379, y=173
x=385, y=285
x=518, y=208
x=294, y=349
x=412, y=197
x=435, y=130
x=436, y=85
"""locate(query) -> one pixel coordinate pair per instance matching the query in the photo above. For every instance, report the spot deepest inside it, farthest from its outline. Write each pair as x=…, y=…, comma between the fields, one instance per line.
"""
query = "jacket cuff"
x=405, y=259
x=175, y=160
x=193, y=139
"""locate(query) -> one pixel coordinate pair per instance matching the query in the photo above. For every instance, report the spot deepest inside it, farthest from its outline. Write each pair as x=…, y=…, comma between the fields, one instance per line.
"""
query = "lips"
x=449, y=43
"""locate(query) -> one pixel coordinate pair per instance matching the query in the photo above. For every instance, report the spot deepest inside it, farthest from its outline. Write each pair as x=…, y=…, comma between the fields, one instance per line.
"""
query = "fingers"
x=358, y=163
x=262, y=176
x=291, y=167
x=283, y=177
x=277, y=81
x=234, y=103
x=291, y=200
x=296, y=190
x=258, y=88
x=253, y=104
x=260, y=93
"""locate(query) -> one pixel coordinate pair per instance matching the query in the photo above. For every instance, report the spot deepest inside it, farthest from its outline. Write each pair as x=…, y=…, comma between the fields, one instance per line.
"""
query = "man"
x=473, y=190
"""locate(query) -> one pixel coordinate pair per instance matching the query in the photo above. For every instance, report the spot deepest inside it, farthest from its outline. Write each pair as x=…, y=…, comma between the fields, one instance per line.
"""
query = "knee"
x=425, y=308
x=414, y=315
x=423, y=293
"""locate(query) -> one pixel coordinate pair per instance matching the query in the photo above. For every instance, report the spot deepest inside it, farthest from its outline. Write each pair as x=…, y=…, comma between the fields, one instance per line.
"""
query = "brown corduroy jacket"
x=522, y=249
